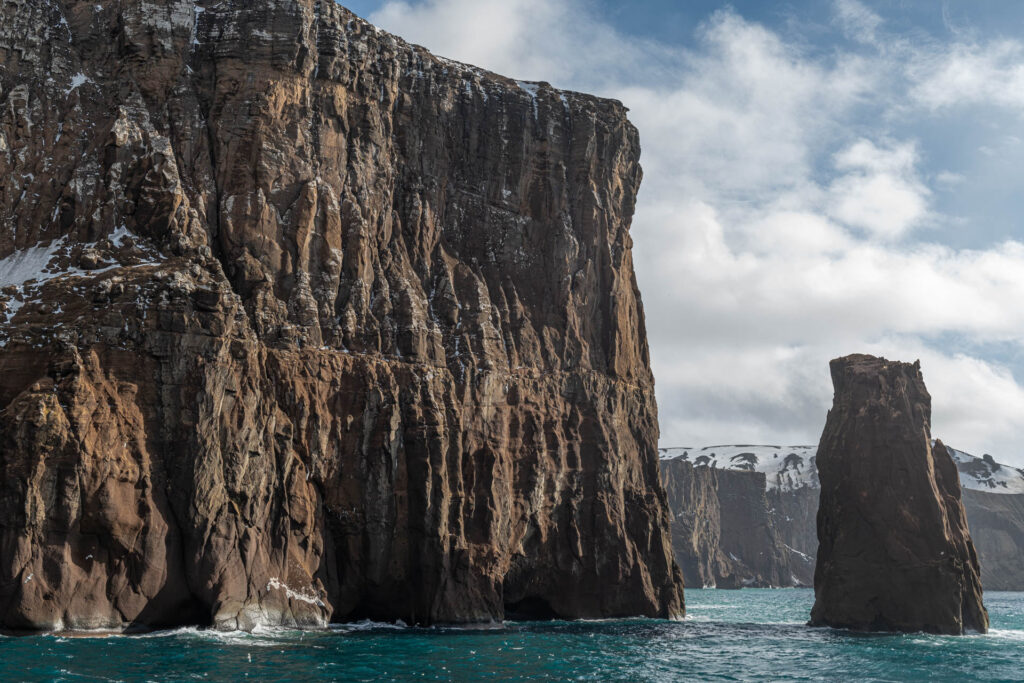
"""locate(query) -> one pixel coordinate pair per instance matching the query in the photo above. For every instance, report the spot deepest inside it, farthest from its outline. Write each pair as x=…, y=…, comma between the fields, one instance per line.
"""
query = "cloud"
x=540, y=40
x=858, y=21
x=970, y=74
x=881, y=192
x=783, y=219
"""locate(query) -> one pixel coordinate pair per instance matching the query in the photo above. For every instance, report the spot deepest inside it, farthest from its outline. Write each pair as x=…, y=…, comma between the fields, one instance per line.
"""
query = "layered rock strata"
x=301, y=323
x=894, y=550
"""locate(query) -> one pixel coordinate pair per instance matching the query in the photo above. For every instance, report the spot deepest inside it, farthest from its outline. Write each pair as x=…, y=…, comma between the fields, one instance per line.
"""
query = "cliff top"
x=788, y=468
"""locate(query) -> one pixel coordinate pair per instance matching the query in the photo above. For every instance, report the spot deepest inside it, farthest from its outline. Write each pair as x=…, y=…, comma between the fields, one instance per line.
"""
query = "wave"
x=369, y=625
x=1007, y=634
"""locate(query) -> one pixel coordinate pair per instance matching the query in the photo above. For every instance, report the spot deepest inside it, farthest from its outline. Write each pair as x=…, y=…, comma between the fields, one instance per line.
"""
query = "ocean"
x=748, y=635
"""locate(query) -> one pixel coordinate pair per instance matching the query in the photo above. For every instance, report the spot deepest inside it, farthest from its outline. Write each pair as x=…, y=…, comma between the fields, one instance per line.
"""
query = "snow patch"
x=28, y=269
x=78, y=80
x=197, y=10
x=532, y=89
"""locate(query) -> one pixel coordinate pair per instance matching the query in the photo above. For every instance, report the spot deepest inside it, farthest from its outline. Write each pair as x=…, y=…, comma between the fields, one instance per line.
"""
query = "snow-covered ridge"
x=788, y=468
x=785, y=467
x=985, y=474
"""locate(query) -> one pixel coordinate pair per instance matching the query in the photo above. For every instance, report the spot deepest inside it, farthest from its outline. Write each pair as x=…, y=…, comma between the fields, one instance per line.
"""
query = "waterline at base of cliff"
x=727, y=634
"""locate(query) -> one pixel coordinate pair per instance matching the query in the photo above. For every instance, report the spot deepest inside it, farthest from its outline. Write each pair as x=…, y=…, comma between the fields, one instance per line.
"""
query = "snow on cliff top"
x=785, y=467
x=985, y=474
x=789, y=468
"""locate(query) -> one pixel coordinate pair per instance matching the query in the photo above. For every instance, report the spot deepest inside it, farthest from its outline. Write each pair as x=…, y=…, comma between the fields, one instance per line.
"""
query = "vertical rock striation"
x=894, y=550
x=794, y=515
x=301, y=323
x=692, y=494
x=723, y=533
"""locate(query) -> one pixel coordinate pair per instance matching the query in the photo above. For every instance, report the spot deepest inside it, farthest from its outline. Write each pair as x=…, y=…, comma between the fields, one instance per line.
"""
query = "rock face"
x=997, y=529
x=737, y=513
x=696, y=523
x=894, y=550
x=993, y=497
x=723, y=535
x=794, y=515
x=301, y=323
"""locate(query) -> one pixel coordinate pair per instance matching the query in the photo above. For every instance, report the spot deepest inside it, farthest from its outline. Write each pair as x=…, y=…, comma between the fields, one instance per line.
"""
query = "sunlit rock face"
x=301, y=323
x=894, y=550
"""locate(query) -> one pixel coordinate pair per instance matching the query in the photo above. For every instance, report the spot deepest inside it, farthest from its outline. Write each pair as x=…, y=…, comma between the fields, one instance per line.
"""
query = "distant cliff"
x=722, y=533
x=993, y=496
x=300, y=323
x=768, y=497
x=997, y=527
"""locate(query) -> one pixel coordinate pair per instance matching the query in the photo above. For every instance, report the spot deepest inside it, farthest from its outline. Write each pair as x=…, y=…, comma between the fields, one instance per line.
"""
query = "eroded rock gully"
x=894, y=550
x=301, y=323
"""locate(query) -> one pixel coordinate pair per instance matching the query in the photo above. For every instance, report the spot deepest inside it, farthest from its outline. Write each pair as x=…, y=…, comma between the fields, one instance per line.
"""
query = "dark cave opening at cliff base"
x=530, y=609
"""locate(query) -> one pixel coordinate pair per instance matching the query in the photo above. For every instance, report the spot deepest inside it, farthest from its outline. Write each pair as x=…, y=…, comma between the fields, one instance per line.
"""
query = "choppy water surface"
x=728, y=635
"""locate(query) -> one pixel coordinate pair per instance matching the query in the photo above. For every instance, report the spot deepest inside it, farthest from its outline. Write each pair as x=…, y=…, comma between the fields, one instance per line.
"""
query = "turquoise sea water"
x=729, y=635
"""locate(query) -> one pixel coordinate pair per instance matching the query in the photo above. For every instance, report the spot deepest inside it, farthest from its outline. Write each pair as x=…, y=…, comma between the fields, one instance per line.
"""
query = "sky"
x=821, y=177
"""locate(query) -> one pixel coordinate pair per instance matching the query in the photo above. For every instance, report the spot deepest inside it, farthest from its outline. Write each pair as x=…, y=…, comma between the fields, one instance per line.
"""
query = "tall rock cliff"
x=301, y=323
x=723, y=533
x=794, y=515
x=696, y=523
x=894, y=551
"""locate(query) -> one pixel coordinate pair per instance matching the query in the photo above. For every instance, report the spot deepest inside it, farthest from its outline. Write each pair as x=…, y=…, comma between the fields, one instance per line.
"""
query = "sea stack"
x=300, y=323
x=894, y=550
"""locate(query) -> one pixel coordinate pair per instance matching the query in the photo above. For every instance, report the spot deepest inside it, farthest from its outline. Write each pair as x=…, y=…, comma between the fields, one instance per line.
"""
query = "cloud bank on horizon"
x=810, y=190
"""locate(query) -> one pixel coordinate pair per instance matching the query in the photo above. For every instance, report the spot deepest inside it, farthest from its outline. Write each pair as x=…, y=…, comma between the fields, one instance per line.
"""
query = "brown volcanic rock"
x=894, y=550
x=300, y=323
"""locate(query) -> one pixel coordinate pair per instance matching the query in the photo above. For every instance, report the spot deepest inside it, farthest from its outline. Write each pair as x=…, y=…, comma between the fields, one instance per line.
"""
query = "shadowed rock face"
x=997, y=529
x=696, y=522
x=723, y=535
x=300, y=323
x=894, y=550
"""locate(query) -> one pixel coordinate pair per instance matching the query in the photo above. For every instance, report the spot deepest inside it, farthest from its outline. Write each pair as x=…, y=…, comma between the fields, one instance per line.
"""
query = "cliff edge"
x=300, y=323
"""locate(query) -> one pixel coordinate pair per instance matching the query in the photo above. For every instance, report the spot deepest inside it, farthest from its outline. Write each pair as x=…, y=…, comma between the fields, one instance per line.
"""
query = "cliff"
x=894, y=551
x=696, y=523
x=751, y=504
x=794, y=515
x=993, y=498
x=997, y=528
x=300, y=323
x=723, y=535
